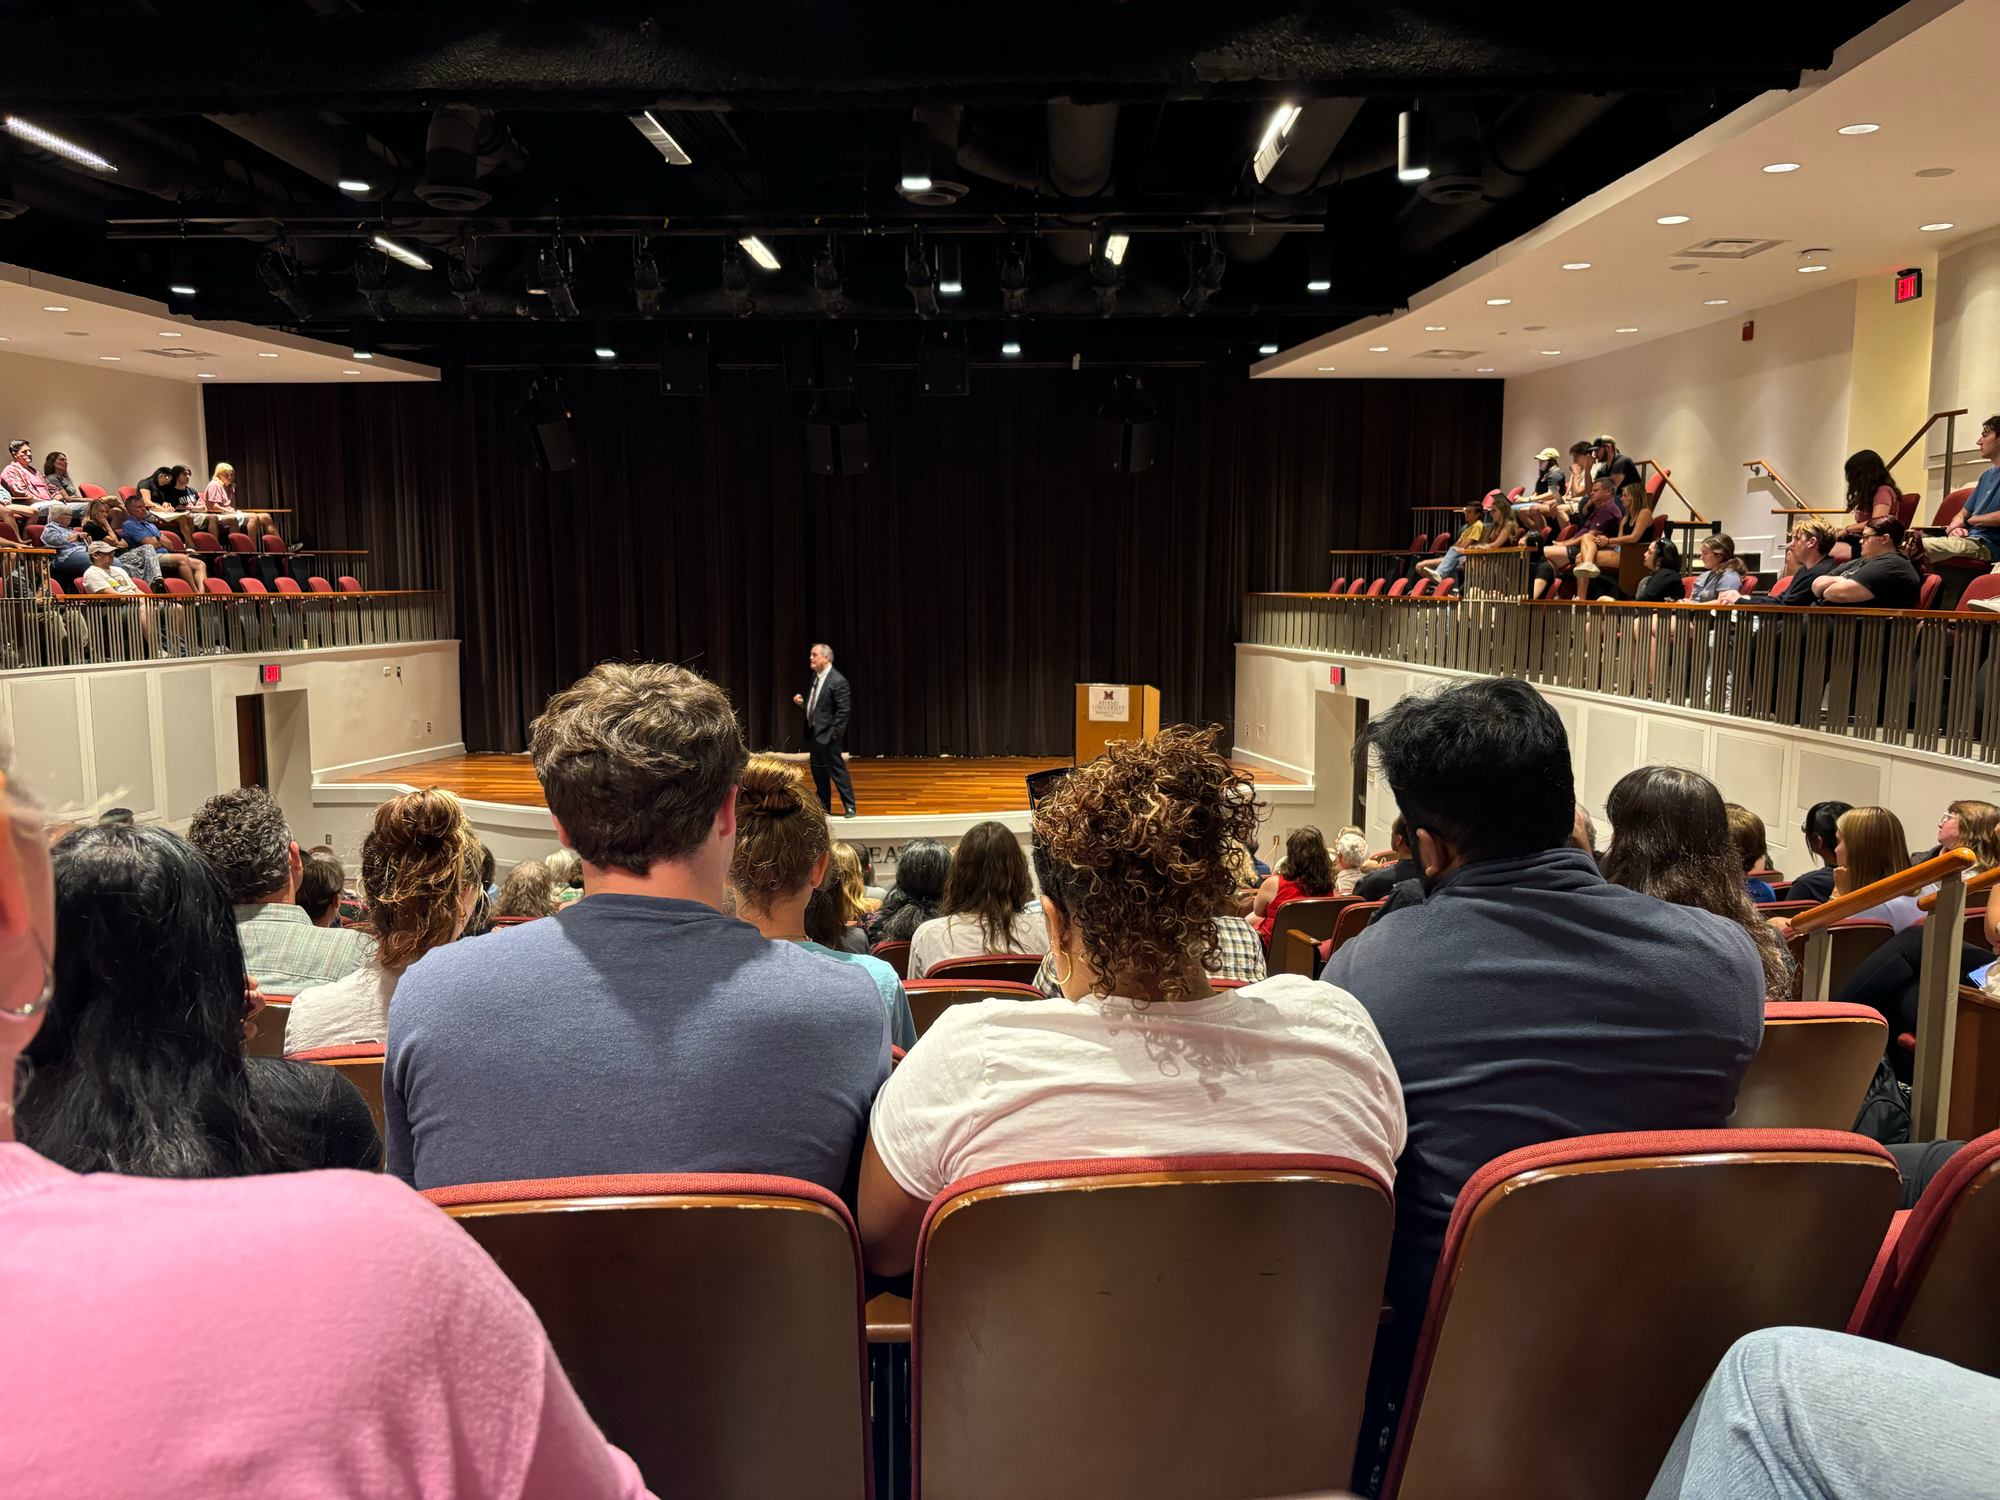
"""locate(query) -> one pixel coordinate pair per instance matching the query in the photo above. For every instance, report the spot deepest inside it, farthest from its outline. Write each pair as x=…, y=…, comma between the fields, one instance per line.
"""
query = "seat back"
x=1251, y=1284
x=176, y=585
x=268, y=1039
x=1936, y=1293
x=1906, y=508
x=1687, y=587
x=1927, y=590
x=173, y=540
x=1350, y=922
x=1588, y=1287
x=318, y=585
x=7, y=529
x=273, y=542
x=360, y=1065
x=239, y=541
x=253, y=586
x=929, y=998
x=1421, y=587
x=1950, y=506
x=349, y=585
x=1375, y=589
x=1850, y=945
x=895, y=955
x=34, y=532
x=1655, y=482
x=1020, y=968
x=1445, y=586
x=711, y=1323
x=203, y=542
x=1356, y=585
x=126, y=491
x=1339, y=585
x=1514, y=495
x=1398, y=588
x=1975, y=1066
x=1312, y=915
x=216, y=585
x=91, y=491
x=1985, y=586
x=1812, y=1068
x=1779, y=585
x=56, y=588
x=287, y=584
x=1769, y=909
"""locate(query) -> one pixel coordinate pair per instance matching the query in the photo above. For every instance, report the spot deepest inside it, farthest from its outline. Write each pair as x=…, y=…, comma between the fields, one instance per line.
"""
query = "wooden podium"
x=1107, y=711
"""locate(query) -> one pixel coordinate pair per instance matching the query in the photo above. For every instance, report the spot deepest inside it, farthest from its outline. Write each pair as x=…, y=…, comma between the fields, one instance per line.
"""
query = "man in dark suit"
x=826, y=704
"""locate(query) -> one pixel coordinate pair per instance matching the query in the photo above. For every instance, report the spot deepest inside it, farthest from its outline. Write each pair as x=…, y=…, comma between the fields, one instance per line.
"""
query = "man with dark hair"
x=1880, y=578
x=1821, y=833
x=640, y=1029
x=827, y=704
x=1611, y=464
x=1976, y=532
x=1546, y=1002
x=1377, y=884
x=244, y=834
x=1809, y=555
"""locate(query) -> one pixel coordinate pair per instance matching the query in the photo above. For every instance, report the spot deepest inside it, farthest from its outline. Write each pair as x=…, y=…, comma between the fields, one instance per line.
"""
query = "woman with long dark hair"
x=918, y=895
x=988, y=903
x=1670, y=838
x=139, y=1067
x=1872, y=496
x=1307, y=871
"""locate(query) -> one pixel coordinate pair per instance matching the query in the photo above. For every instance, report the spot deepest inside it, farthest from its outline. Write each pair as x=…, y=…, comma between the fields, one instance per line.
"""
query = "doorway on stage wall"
x=1359, y=816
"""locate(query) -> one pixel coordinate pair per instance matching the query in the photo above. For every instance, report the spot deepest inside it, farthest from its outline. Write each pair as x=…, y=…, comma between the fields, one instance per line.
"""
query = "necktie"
x=812, y=698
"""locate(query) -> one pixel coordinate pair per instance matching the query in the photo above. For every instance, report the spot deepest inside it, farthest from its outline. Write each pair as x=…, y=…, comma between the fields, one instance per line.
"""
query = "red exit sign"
x=1910, y=284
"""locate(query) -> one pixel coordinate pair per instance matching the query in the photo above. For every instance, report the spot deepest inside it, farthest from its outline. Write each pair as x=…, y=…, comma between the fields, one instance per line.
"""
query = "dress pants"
x=829, y=764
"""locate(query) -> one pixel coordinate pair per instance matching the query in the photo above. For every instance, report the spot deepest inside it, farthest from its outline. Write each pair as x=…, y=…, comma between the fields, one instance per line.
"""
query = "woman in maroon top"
x=1308, y=871
x=1872, y=493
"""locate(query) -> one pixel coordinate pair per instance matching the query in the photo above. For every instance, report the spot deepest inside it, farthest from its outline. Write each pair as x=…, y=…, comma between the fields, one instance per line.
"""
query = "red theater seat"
x=1445, y=586
x=7, y=529
x=1347, y=924
x=34, y=530
x=930, y=998
x=1421, y=587
x=1376, y=588
x=319, y=585
x=1588, y=1288
x=1339, y=585
x=287, y=584
x=360, y=1065
x=203, y=542
x=1355, y=586
x=126, y=492
x=91, y=491
x=254, y=586
x=711, y=1323
x=176, y=585
x=895, y=955
x=349, y=585
x=1813, y=1067
x=1253, y=1280
x=173, y=540
x=1687, y=587
x=1780, y=585
x=1399, y=588
x=273, y=542
x=239, y=541
x=217, y=586
x=1985, y=586
x=1927, y=591
x=1020, y=968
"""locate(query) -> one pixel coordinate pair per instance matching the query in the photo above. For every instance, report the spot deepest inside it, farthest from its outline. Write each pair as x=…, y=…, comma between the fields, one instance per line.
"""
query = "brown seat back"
x=1937, y=1294
x=1313, y=915
x=1021, y=968
x=268, y=1040
x=895, y=955
x=1812, y=1069
x=1049, y=1295
x=1349, y=924
x=1975, y=1067
x=929, y=998
x=360, y=1065
x=1588, y=1288
x=711, y=1324
x=1851, y=942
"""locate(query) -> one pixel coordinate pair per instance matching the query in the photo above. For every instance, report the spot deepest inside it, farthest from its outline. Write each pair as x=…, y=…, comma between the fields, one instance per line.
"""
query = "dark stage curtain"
x=965, y=583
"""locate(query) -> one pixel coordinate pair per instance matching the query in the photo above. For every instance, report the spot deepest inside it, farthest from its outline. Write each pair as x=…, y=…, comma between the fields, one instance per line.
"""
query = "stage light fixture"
x=281, y=281
x=1115, y=246
x=1127, y=427
x=919, y=278
x=402, y=253
x=1413, y=146
x=1277, y=136
x=371, y=278
x=951, y=281
x=1105, y=277
x=827, y=289
x=916, y=160
x=1267, y=349
x=552, y=265
x=363, y=343
x=1206, y=263
x=541, y=427
x=182, y=283
x=1013, y=279
x=645, y=278
x=1319, y=265
x=1010, y=340
x=661, y=139
x=736, y=281
x=34, y=135
x=759, y=252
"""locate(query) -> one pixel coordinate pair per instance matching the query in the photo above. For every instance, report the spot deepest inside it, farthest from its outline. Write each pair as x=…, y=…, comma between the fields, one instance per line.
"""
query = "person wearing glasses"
x=1880, y=578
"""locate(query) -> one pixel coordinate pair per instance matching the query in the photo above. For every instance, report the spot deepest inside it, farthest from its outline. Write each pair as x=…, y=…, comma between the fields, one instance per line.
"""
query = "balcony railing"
x=101, y=628
x=1919, y=679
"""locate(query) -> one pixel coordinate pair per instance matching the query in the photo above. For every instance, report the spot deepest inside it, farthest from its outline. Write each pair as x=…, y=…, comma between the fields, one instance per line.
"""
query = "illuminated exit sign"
x=1910, y=284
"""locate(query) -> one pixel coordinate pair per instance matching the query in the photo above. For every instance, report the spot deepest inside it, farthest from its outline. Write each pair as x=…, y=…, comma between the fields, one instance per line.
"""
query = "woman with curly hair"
x=420, y=867
x=1141, y=1056
x=1307, y=871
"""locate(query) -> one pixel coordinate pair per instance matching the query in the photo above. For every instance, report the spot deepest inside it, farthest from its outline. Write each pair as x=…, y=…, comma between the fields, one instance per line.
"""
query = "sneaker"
x=1987, y=604
x=1585, y=570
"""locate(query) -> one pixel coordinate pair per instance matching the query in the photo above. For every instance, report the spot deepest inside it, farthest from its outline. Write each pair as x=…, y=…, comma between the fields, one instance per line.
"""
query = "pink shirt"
x=294, y=1336
x=217, y=496
x=20, y=479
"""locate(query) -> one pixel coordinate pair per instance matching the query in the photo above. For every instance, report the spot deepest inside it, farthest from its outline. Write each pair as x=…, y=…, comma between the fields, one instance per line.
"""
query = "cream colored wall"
x=1965, y=354
x=1891, y=390
x=1702, y=402
x=114, y=426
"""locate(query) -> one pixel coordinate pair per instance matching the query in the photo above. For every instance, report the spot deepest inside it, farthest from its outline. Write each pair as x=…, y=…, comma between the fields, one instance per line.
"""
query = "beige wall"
x=1965, y=354
x=1703, y=401
x=113, y=425
x=1891, y=391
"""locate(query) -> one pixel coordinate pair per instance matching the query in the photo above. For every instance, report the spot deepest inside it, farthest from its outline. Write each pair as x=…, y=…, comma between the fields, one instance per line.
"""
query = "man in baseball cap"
x=103, y=575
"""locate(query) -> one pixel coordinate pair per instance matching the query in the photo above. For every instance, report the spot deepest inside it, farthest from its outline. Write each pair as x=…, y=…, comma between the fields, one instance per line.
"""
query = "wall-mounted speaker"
x=685, y=369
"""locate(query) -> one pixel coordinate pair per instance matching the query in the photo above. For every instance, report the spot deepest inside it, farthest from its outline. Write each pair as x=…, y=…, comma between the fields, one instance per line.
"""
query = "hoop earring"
x=1061, y=978
x=34, y=1006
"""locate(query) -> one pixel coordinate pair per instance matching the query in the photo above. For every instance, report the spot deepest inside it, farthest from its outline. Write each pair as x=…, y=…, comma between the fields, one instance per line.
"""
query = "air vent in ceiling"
x=177, y=352
x=1726, y=249
x=1448, y=354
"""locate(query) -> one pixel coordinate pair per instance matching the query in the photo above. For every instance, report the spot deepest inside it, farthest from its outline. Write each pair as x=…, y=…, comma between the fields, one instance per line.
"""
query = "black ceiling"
x=235, y=120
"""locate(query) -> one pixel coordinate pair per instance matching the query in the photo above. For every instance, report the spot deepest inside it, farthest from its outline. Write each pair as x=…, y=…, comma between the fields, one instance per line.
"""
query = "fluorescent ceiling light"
x=663, y=142
x=1434, y=328
x=166, y=334
x=1012, y=346
x=606, y=352
x=1782, y=166
x=1576, y=265
x=1624, y=330
x=1805, y=270
x=1267, y=348
x=403, y=253
x=1548, y=351
x=1328, y=369
x=34, y=135
x=1277, y=135
x=1484, y=370
x=53, y=308
x=1114, y=248
x=1498, y=301
x=351, y=354
x=113, y=358
x=353, y=185
x=204, y=374
x=1934, y=228
x=1378, y=348
x=759, y=252
x=350, y=372
x=178, y=291
x=1671, y=219
x=265, y=354
x=1716, y=302
x=1859, y=129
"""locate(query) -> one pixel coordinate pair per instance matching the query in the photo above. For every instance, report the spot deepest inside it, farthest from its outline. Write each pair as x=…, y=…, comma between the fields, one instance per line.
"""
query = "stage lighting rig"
x=920, y=277
x=552, y=265
x=1107, y=273
x=464, y=278
x=1206, y=263
x=736, y=280
x=1013, y=278
x=371, y=278
x=826, y=279
x=645, y=278
x=280, y=280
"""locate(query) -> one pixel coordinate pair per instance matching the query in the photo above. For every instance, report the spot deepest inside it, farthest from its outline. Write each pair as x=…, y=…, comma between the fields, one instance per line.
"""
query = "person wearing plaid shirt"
x=1242, y=956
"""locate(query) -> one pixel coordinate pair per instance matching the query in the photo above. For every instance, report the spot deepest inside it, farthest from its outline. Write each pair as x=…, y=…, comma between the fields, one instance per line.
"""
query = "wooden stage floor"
x=885, y=788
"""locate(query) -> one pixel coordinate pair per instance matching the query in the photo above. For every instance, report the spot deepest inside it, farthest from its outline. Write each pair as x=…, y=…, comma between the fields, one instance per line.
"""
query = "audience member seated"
x=216, y=508
x=640, y=1030
x=29, y=495
x=1447, y=566
x=1615, y=466
x=1753, y=851
x=1868, y=845
x=778, y=873
x=1673, y=837
x=1599, y=550
x=1976, y=531
x=1548, y=478
x=481, y=921
x=989, y=903
x=1376, y=884
x=918, y=894
x=1965, y=825
x=857, y=877
x=101, y=520
x=131, y=1328
x=63, y=489
x=1350, y=860
x=1872, y=495
x=1525, y=998
x=72, y=557
x=1662, y=583
x=138, y=530
x=1808, y=557
x=875, y=893
x=104, y=576
x=321, y=877
x=1821, y=831
x=1600, y=517
x=1807, y=1414
x=1307, y=870
x=139, y=1066
x=528, y=892
x=1880, y=578
x=420, y=868
x=1721, y=569
x=833, y=916
x=1129, y=856
x=566, y=872
x=244, y=834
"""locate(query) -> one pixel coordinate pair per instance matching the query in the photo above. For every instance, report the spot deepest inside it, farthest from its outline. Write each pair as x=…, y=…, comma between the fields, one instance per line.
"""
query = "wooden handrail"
x=1984, y=880
x=1667, y=476
x=1747, y=605
x=1902, y=884
x=1776, y=478
x=1934, y=418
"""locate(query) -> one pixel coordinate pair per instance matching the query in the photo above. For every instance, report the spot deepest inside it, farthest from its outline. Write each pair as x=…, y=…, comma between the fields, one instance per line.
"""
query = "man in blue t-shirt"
x=1976, y=532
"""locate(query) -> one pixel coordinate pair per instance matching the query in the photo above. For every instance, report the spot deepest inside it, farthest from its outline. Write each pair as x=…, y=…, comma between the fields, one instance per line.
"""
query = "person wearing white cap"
x=103, y=576
x=1548, y=478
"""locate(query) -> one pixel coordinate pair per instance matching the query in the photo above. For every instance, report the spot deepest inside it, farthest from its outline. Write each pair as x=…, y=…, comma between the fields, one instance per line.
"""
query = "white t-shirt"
x=354, y=1008
x=103, y=580
x=960, y=936
x=1284, y=1065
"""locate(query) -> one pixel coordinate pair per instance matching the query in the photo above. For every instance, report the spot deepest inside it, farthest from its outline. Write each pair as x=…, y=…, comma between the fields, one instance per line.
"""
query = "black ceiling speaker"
x=1128, y=429
x=836, y=443
x=685, y=369
x=541, y=428
x=944, y=367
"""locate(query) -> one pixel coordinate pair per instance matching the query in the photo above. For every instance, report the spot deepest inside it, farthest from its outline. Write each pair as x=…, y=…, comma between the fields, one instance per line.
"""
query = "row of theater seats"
x=1393, y=589
x=284, y=584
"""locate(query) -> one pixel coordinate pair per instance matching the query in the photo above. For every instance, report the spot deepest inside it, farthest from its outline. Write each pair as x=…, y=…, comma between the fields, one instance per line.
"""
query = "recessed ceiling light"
x=166, y=334
x=1534, y=327
x=1782, y=166
x=1859, y=129
x=1576, y=265
x=1325, y=369
x=51, y=307
x=352, y=185
x=1267, y=348
x=350, y=372
x=181, y=291
x=1434, y=328
x=1550, y=351
x=204, y=375
x=1378, y=348
x=4, y=339
x=1498, y=301
x=1672, y=219
x=265, y=354
x=1484, y=370
x=1624, y=330
x=111, y=357
x=1934, y=228
x=1716, y=302
x=1806, y=270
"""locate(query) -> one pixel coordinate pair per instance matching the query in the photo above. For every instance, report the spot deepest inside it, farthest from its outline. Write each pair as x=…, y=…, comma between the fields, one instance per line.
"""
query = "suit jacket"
x=828, y=719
